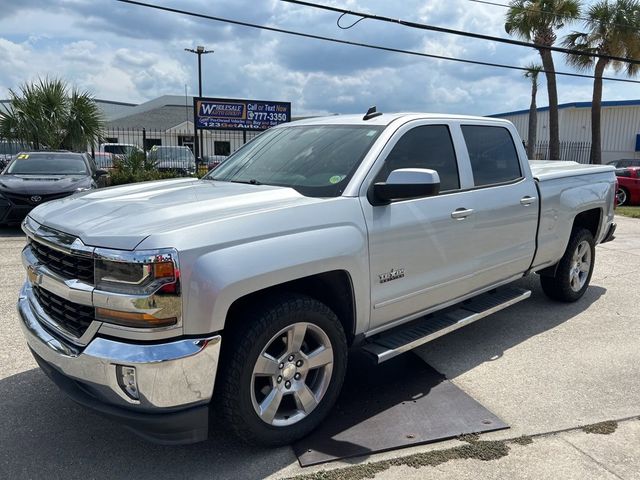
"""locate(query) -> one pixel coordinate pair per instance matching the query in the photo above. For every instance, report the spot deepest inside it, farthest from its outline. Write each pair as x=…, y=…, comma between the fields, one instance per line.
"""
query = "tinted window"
x=493, y=155
x=428, y=146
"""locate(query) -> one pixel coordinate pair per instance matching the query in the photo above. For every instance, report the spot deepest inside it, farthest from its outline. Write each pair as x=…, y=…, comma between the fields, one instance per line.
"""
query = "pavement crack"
x=603, y=466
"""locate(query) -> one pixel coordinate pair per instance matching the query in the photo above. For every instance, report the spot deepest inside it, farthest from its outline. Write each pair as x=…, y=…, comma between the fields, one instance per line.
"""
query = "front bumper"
x=174, y=379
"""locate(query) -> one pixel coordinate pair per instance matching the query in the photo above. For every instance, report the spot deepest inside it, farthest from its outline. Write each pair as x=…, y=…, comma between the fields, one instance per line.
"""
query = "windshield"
x=316, y=160
x=43, y=164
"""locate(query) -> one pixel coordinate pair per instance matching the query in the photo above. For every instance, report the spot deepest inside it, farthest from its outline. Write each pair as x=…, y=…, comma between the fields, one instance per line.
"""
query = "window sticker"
x=336, y=179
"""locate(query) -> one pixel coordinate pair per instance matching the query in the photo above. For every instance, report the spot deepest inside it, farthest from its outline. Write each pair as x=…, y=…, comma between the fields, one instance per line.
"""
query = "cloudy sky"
x=129, y=53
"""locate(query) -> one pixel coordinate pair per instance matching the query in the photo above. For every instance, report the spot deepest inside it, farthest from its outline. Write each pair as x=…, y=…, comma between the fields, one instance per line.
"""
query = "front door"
x=420, y=255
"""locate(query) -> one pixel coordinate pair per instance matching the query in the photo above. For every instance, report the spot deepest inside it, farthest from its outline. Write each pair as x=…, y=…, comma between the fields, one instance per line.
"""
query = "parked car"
x=380, y=232
x=104, y=160
x=628, y=192
x=625, y=162
x=173, y=159
x=33, y=178
x=120, y=149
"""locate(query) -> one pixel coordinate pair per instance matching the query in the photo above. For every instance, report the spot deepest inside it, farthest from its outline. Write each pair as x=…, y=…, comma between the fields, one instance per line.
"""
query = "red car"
x=628, y=192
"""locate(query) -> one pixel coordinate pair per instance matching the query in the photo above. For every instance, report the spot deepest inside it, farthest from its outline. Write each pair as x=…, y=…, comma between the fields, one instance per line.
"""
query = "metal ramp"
x=418, y=332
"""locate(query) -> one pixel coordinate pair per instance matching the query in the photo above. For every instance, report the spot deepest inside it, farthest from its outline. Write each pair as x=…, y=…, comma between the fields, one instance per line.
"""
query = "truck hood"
x=121, y=217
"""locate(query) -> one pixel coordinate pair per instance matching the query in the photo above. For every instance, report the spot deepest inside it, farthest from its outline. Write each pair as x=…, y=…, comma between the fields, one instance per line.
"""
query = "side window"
x=427, y=146
x=493, y=155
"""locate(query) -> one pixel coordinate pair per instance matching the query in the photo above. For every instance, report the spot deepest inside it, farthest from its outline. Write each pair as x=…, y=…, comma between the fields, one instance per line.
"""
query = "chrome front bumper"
x=170, y=376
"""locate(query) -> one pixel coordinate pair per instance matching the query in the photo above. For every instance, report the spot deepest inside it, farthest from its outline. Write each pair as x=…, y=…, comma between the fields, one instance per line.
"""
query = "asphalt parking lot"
x=547, y=369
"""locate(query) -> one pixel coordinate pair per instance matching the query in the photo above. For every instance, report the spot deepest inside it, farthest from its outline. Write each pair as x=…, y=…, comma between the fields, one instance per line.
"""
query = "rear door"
x=506, y=204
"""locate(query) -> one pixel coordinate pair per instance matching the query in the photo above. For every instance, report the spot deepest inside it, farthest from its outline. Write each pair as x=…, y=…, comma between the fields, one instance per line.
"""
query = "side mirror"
x=101, y=172
x=407, y=183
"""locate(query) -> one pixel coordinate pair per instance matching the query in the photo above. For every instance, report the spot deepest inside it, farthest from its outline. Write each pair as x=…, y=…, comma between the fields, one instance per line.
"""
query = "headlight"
x=150, y=279
x=82, y=189
x=136, y=273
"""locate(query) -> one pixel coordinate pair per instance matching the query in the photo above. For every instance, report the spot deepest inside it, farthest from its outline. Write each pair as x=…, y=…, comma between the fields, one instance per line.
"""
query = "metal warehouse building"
x=620, y=129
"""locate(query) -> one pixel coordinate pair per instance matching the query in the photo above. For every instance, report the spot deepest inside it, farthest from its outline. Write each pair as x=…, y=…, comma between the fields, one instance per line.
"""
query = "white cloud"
x=128, y=53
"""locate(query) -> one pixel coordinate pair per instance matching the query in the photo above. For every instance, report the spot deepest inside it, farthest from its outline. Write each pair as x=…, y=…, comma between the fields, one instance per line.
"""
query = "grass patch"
x=476, y=450
x=523, y=440
x=602, y=428
x=633, y=212
x=469, y=437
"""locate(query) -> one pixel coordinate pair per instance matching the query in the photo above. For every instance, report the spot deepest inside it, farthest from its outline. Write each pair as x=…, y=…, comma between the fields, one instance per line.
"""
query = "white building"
x=620, y=127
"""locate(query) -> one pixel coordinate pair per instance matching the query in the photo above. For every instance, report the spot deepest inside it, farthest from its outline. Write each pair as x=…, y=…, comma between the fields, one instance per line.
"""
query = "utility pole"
x=199, y=50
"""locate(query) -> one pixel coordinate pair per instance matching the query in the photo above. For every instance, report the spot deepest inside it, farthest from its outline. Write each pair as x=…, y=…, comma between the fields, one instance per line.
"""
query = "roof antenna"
x=371, y=113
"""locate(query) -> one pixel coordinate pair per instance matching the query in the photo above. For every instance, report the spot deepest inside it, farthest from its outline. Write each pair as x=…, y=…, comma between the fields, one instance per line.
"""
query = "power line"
x=433, y=28
x=546, y=12
x=357, y=44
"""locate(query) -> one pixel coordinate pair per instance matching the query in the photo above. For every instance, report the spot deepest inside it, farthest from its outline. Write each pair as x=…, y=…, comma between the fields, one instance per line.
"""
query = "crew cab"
x=242, y=292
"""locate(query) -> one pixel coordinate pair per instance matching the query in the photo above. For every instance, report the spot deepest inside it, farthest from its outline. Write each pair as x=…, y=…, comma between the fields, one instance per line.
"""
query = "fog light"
x=127, y=381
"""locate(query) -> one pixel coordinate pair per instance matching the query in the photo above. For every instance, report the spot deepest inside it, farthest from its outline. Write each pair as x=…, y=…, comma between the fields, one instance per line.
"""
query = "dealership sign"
x=225, y=114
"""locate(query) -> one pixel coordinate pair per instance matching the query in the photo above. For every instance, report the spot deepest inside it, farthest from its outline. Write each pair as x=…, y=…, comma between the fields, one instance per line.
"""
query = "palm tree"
x=47, y=113
x=537, y=21
x=533, y=70
x=613, y=29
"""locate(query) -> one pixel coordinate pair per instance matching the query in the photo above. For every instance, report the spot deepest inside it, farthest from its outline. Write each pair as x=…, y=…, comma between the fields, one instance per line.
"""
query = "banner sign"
x=226, y=114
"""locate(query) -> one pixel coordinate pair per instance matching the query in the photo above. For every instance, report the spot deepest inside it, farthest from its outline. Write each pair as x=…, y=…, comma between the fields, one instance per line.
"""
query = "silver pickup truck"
x=242, y=292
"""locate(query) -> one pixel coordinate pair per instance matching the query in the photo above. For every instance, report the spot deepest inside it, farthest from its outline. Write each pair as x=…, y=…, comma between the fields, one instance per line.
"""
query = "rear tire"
x=282, y=369
x=622, y=196
x=574, y=269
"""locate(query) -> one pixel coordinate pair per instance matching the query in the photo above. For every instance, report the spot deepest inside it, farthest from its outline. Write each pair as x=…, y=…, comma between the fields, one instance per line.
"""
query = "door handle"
x=526, y=201
x=461, y=213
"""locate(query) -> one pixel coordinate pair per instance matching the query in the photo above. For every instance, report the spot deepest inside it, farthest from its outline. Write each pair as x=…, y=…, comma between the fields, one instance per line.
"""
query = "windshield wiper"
x=253, y=181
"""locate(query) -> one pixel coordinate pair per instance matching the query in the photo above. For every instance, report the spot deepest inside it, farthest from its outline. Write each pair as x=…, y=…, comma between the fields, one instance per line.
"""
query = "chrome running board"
x=418, y=332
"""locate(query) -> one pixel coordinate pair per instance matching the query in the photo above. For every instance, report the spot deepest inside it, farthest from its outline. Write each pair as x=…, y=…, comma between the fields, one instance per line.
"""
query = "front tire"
x=282, y=370
x=574, y=269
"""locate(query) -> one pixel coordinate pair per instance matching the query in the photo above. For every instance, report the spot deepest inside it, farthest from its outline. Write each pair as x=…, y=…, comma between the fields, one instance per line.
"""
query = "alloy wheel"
x=580, y=266
x=291, y=375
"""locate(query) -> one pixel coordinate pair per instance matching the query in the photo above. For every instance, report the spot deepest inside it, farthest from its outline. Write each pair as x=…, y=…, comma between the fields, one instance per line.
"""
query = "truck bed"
x=544, y=170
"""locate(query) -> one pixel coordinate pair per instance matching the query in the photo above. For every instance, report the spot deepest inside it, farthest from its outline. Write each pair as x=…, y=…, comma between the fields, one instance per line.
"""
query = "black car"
x=33, y=178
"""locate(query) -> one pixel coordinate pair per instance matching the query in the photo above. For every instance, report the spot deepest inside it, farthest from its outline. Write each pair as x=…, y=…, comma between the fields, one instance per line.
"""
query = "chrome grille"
x=73, y=317
x=64, y=264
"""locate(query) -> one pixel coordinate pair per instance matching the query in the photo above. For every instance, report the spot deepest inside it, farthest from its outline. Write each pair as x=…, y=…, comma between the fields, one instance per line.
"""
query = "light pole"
x=199, y=50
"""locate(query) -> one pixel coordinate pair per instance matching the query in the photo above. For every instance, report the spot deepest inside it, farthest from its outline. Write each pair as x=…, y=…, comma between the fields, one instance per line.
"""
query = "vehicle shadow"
x=44, y=434
x=487, y=340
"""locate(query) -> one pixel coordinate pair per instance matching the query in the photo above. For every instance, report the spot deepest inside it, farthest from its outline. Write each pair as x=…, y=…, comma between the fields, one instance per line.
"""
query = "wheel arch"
x=333, y=288
x=589, y=219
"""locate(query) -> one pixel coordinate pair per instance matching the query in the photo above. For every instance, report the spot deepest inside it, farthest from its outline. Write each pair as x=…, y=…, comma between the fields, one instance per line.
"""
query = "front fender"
x=221, y=277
